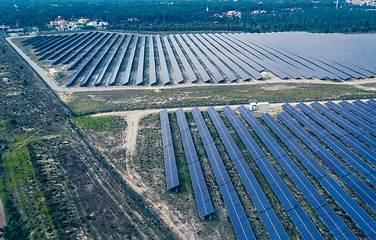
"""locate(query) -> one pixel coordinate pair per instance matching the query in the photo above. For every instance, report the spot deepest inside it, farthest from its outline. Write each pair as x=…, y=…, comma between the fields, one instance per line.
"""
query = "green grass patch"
x=21, y=181
x=110, y=124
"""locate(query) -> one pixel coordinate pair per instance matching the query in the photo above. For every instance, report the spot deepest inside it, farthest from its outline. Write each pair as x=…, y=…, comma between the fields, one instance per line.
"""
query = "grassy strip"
x=21, y=181
x=89, y=102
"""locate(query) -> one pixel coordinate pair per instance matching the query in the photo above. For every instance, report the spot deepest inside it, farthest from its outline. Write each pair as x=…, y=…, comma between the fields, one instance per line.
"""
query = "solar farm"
x=103, y=59
x=327, y=150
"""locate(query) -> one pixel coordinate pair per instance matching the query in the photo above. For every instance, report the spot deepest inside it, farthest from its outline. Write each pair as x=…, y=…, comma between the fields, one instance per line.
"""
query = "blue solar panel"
x=372, y=102
x=358, y=111
x=339, y=168
x=352, y=117
x=237, y=215
x=347, y=155
x=332, y=187
x=352, y=208
x=249, y=180
x=152, y=71
x=362, y=190
x=204, y=47
x=204, y=203
x=365, y=106
x=277, y=184
x=347, y=138
x=119, y=61
x=172, y=179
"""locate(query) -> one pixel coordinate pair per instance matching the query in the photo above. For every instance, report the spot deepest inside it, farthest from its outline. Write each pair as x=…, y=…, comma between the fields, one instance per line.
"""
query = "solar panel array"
x=204, y=204
x=210, y=58
x=336, y=128
x=172, y=179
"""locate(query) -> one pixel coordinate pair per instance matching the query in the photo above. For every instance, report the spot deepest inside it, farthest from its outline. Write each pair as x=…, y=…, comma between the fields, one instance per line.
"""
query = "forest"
x=256, y=16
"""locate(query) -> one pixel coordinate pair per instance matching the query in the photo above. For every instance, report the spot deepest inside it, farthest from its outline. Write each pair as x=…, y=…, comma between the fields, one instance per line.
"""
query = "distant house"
x=234, y=14
x=83, y=20
x=97, y=24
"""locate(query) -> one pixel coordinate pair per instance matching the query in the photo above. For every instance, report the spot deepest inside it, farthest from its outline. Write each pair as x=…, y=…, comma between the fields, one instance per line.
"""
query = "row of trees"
x=291, y=15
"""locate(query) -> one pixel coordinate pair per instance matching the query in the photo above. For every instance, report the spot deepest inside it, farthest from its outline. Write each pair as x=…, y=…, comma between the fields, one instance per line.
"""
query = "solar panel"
x=213, y=57
x=141, y=59
x=86, y=79
x=204, y=75
x=175, y=66
x=87, y=52
x=237, y=215
x=352, y=117
x=187, y=66
x=365, y=106
x=337, y=166
x=277, y=184
x=172, y=179
x=358, y=111
x=69, y=46
x=216, y=42
x=80, y=46
x=74, y=77
x=152, y=73
x=214, y=71
x=254, y=190
x=130, y=59
x=119, y=61
x=204, y=204
x=339, y=194
x=108, y=61
x=162, y=62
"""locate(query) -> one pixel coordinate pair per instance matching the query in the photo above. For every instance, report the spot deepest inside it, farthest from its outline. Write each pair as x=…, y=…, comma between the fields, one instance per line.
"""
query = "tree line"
x=289, y=15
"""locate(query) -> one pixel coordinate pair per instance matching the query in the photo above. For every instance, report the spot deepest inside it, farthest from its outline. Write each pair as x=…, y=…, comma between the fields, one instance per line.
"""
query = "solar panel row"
x=119, y=61
x=229, y=56
x=204, y=203
x=130, y=59
x=365, y=106
x=364, y=221
x=267, y=214
x=344, y=173
x=69, y=46
x=90, y=57
x=141, y=59
x=90, y=48
x=327, y=214
x=162, y=62
x=152, y=72
x=109, y=60
x=302, y=222
x=221, y=45
x=214, y=58
x=75, y=50
x=175, y=66
x=172, y=179
x=187, y=66
x=212, y=69
x=348, y=126
x=358, y=111
x=330, y=218
x=338, y=147
x=237, y=215
x=352, y=117
x=202, y=72
x=100, y=59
